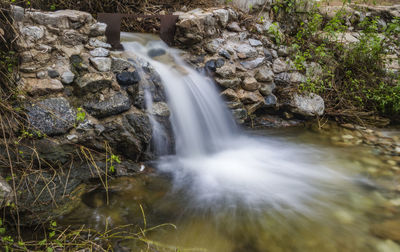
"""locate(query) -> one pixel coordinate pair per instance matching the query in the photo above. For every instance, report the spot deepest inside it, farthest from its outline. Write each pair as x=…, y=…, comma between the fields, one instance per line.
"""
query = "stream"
x=227, y=189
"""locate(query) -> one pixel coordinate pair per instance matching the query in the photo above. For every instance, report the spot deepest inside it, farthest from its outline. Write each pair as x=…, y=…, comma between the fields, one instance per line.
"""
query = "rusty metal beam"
x=113, y=31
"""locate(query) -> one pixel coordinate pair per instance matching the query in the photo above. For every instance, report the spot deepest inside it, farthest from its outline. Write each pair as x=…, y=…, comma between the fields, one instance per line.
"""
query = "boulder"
x=214, y=45
x=155, y=52
x=307, y=104
x=103, y=64
x=228, y=83
x=250, y=84
x=270, y=101
x=98, y=29
x=73, y=38
x=240, y=115
x=93, y=82
x=128, y=78
x=119, y=64
x=52, y=116
x=253, y=63
x=67, y=77
x=99, y=52
x=160, y=109
x=53, y=73
x=267, y=88
x=32, y=33
x=226, y=71
x=222, y=16
x=282, y=79
x=247, y=97
x=111, y=105
x=296, y=78
x=255, y=42
x=230, y=95
x=234, y=26
x=245, y=51
x=280, y=66
x=42, y=86
x=264, y=74
x=94, y=42
x=62, y=19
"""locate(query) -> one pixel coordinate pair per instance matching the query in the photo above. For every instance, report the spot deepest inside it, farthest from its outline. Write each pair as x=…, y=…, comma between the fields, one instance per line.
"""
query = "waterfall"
x=217, y=164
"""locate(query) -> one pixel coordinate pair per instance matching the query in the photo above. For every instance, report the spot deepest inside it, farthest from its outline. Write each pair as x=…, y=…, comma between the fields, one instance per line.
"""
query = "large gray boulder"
x=52, y=116
x=308, y=104
x=112, y=105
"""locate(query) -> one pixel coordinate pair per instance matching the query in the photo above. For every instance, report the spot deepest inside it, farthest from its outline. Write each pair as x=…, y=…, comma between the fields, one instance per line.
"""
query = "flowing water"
x=230, y=190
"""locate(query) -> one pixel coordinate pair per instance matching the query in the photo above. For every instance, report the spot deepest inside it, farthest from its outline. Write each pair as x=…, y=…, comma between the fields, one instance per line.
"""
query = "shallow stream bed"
x=354, y=207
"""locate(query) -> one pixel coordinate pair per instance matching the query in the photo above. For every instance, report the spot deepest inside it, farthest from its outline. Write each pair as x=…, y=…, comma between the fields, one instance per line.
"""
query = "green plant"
x=276, y=33
x=80, y=115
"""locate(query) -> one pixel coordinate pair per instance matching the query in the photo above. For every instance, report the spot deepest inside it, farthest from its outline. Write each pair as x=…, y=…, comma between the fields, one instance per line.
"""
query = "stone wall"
x=246, y=65
x=66, y=69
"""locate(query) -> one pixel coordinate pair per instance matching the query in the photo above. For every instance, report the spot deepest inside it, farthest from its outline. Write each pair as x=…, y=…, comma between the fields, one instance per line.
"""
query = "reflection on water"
x=342, y=224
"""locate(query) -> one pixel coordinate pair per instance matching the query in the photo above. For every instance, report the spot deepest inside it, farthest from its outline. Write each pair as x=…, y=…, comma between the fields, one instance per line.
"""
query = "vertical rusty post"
x=168, y=28
x=113, y=30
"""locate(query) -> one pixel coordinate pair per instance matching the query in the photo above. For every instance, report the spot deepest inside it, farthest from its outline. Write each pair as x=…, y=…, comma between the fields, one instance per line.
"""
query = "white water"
x=216, y=164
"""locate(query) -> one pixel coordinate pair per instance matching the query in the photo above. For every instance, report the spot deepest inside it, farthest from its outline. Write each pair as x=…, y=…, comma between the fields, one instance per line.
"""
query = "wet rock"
x=247, y=97
x=5, y=192
x=255, y=42
x=102, y=64
x=267, y=88
x=230, y=95
x=250, y=84
x=254, y=107
x=234, y=26
x=234, y=104
x=52, y=116
x=53, y=73
x=112, y=105
x=128, y=78
x=308, y=104
x=98, y=29
x=129, y=135
x=270, y=101
x=67, y=77
x=245, y=51
x=282, y=79
x=228, y=83
x=42, y=86
x=219, y=63
x=280, y=66
x=99, y=52
x=253, y=63
x=264, y=74
x=268, y=55
x=98, y=43
x=93, y=82
x=119, y=64
x=240, y=115
x=160, y=109
x=226, y=71
x=156, y=52
x=210, y=65
x=224, y=53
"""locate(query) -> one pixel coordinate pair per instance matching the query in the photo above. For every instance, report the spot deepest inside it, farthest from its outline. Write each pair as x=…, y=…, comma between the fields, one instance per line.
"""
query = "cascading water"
x=215, y=163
